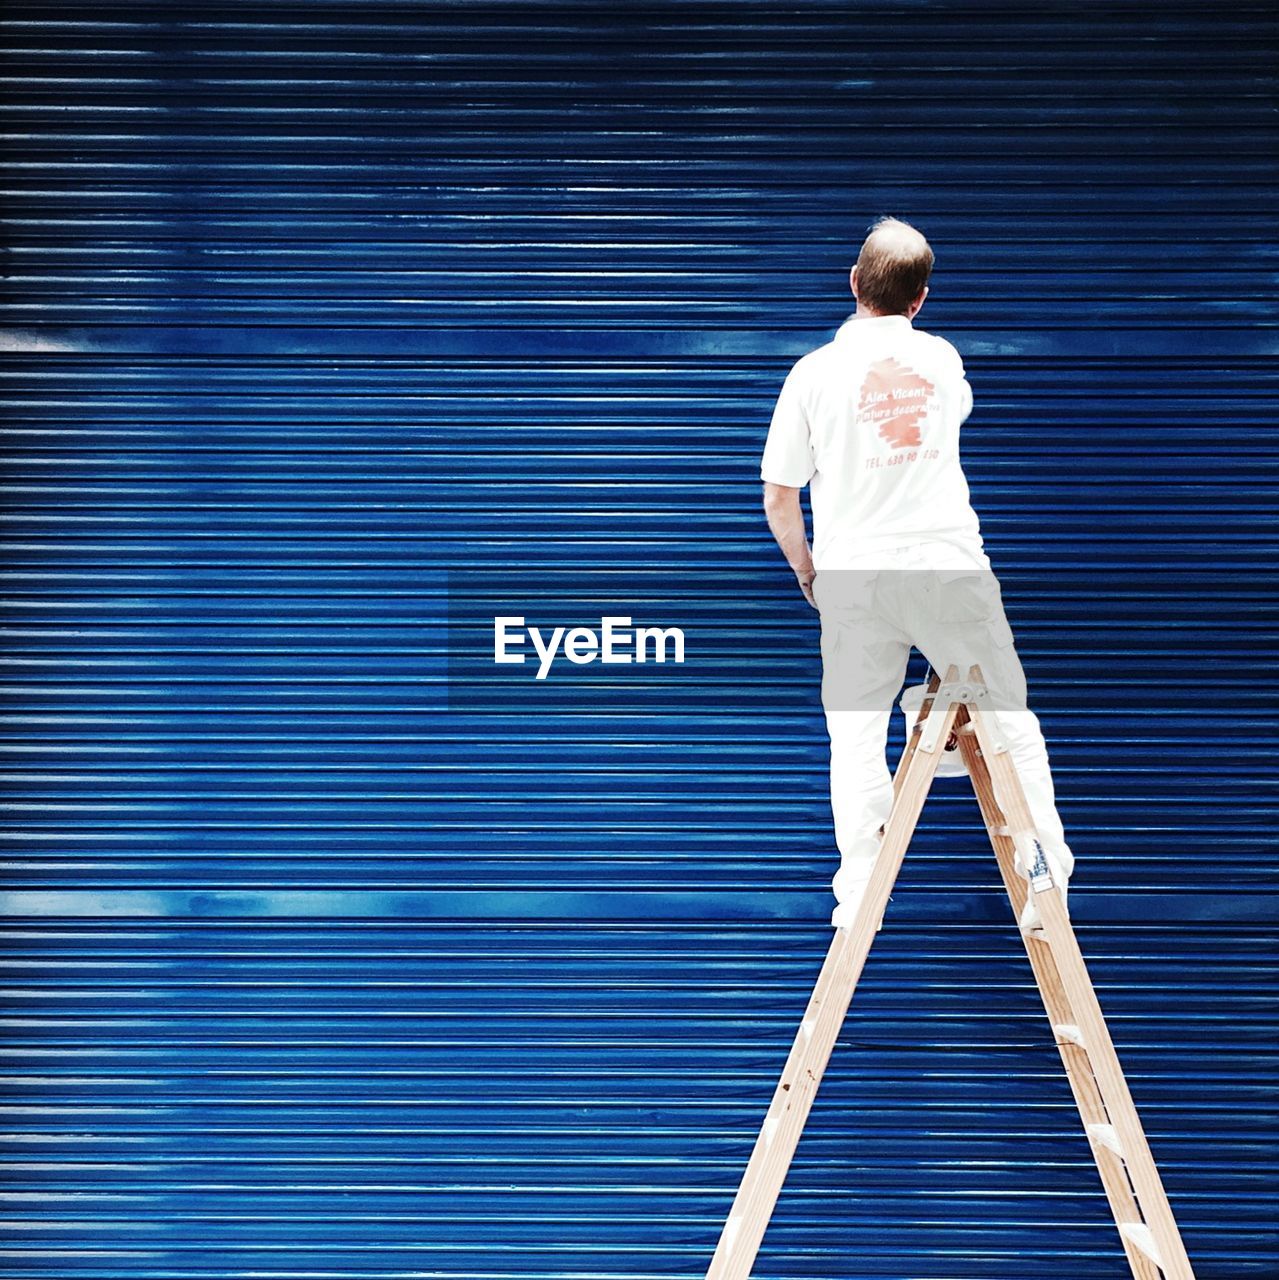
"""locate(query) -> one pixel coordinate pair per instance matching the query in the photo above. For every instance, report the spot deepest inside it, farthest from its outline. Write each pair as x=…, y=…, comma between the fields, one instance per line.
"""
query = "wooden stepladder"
x=1132, y=1184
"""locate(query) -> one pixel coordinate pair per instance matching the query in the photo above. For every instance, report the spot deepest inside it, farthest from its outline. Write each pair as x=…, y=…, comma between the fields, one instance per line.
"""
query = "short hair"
x=893, y=266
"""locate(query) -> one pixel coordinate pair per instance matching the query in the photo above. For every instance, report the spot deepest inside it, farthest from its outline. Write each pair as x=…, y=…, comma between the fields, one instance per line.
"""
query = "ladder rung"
x=1068, y=1032
x=1104, y=1135
x=1141, y=1235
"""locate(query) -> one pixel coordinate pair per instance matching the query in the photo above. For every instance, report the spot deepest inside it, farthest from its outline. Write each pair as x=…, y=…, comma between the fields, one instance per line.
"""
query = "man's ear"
x=852, y=281
x=918, y=303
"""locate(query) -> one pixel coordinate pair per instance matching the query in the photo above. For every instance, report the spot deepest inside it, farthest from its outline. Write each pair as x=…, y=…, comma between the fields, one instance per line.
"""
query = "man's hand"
x=805, y=581
x=786, y=520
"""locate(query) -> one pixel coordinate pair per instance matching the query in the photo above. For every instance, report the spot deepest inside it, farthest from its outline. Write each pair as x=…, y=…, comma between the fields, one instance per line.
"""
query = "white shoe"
x=1031, y=921
x=848, y=902
x=1061, y=863
x=845, y=916
x=849, y=885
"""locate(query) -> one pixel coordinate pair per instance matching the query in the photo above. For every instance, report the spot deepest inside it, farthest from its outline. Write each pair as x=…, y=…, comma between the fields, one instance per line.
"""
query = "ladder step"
x=1104, y=1135
x=1069, y=1033
x=1141, y=1235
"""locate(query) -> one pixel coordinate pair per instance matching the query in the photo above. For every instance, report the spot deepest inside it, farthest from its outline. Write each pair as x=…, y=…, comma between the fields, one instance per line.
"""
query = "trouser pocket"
x=971, y=597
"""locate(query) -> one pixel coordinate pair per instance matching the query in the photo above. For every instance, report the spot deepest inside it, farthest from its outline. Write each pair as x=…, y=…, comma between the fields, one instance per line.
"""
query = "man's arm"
x=786, y=520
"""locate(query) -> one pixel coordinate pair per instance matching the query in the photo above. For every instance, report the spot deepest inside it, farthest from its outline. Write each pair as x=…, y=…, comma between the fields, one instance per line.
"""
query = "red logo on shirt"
x=894, y=398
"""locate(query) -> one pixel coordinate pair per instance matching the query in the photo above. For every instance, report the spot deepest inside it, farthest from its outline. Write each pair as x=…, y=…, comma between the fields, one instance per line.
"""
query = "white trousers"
x=871, y=618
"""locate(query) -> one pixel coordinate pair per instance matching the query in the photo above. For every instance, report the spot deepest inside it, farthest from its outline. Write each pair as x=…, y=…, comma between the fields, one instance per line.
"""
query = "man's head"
x=891, y=275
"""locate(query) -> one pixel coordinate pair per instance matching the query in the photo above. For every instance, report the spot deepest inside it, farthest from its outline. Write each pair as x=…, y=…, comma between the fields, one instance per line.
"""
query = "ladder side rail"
x=1087, y=1095
x=1087, y=1015
x=913, y=737
x=770, y=1159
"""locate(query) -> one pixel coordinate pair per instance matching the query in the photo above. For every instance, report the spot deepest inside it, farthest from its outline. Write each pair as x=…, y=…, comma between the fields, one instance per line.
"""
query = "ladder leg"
x=1088, y=1099
x=1129, y=1175
x=793, y=1098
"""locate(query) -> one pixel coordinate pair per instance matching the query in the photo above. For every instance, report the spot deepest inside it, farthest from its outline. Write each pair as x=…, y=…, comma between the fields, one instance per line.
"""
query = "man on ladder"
x=870, y=421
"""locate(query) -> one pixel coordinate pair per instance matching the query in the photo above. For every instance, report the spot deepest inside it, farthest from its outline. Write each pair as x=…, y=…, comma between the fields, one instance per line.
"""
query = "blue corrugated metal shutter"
x=334, y=951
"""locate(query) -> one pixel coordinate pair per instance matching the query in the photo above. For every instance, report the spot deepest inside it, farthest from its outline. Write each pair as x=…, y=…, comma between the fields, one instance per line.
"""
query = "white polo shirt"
x=871, y=421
